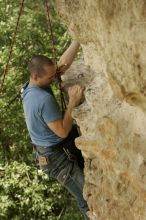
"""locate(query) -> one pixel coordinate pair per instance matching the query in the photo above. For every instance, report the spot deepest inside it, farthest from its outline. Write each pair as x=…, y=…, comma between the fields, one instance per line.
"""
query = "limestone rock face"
x=113, y=116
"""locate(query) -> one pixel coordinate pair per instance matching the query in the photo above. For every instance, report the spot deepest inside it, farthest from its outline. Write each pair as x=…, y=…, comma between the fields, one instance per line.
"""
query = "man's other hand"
x=61, y=69
x=75, y=95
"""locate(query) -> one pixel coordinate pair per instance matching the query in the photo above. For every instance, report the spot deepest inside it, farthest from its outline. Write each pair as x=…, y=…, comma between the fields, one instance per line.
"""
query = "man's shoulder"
x=36, y=98
x=42, y=98
x=36, y=93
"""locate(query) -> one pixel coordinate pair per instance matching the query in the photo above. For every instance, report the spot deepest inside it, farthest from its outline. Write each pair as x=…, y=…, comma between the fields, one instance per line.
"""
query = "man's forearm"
x=67, y=120
x=62, y=126
x=69, y=55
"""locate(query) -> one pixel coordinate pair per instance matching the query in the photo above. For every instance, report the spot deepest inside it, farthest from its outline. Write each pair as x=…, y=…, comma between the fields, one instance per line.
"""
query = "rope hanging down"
x=58, y=73
x=51, y=30
x=12, y=44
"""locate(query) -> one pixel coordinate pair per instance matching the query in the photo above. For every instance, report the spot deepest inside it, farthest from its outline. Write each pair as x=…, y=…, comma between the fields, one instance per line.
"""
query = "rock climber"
x=51, y=132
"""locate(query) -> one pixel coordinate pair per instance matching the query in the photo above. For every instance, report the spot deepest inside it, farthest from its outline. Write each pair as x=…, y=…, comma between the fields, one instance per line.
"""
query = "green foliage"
x=29, y=194
x=24, y=193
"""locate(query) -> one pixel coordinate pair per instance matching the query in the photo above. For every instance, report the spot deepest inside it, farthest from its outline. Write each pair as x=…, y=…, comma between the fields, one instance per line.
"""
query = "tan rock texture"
x=113, y=116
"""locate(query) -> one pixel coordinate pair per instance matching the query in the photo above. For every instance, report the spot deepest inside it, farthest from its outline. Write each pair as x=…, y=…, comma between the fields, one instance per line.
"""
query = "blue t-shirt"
x=40, y=108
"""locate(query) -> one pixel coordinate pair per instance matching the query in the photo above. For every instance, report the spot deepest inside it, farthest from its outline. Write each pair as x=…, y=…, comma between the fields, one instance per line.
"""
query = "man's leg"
x=70, y=175
x=74, y=183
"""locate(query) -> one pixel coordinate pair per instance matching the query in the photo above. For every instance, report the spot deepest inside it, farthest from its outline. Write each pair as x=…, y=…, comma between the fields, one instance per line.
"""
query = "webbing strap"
x=58, y=73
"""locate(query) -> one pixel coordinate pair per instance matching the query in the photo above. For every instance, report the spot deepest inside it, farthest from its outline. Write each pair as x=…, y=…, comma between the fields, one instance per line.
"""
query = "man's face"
x=46, y=79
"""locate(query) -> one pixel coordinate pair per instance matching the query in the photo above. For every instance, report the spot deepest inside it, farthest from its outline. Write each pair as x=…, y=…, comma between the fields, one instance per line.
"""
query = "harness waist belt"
x=41, y=149
x=56, y=147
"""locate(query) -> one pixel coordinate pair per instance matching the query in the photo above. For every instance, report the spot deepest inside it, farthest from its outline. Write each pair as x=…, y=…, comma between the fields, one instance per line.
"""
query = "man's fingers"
x=80, y=90
x=75, y=90
x=76, y=87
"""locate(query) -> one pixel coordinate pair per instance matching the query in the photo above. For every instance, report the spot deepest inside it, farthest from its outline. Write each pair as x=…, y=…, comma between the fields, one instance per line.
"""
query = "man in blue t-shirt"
x=48, y=128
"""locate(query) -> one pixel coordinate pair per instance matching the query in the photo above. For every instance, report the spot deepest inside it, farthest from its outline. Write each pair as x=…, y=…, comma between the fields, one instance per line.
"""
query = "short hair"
x=37, y=63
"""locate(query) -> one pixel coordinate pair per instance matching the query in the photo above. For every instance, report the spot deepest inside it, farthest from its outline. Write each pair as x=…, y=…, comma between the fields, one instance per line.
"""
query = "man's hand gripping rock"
x=75, y=94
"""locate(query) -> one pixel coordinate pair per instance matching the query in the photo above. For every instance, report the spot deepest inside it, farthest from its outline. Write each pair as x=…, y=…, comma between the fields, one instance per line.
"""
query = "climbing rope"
x=58, y=72
x=12, y=44
x=47, y=8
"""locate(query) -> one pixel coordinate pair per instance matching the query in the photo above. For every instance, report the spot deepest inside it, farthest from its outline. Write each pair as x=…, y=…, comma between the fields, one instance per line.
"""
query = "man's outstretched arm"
x=68, y=56
x=62, y=126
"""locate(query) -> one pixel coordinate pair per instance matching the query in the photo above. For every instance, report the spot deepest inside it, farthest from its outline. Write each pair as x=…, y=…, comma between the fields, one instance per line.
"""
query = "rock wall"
x=113, y=116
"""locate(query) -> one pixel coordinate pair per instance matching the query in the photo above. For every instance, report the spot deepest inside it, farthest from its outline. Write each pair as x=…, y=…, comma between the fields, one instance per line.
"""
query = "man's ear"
x=34, y=76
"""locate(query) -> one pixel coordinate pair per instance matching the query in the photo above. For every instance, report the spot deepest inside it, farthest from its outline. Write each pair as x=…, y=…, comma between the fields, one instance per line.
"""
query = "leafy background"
x=25, y=192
